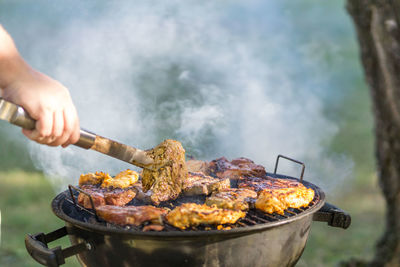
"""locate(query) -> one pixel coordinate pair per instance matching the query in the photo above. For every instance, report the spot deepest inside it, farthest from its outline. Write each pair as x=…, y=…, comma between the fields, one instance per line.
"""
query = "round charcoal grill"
x=259, y=239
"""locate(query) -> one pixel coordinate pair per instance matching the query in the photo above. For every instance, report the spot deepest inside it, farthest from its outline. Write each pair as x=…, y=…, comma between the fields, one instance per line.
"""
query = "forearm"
x=12, y=65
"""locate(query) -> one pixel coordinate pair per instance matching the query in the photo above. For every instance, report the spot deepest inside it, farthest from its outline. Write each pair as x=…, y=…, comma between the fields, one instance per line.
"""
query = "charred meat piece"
x=102, y=196
x=258, y=183
x=236, y=168
x=232, y=198
x=119, y=197
x=131, y=215
x=166, y=182
x=145, y=197
x=96, y=193
x=278, y=200
x=191, y=214
x=197, y=183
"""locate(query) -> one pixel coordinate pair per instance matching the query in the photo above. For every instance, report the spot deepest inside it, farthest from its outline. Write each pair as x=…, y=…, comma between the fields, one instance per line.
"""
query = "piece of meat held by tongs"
x=142, y=158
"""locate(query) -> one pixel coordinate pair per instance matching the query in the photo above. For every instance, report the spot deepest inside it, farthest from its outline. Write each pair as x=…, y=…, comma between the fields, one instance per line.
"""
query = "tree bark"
x=377, y=26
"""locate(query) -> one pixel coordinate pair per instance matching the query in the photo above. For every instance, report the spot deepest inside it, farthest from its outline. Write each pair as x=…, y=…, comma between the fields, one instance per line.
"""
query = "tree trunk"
x=377, y=26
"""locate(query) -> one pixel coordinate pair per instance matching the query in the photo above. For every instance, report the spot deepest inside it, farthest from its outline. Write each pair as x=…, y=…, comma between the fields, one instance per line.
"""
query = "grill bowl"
x=279, y=242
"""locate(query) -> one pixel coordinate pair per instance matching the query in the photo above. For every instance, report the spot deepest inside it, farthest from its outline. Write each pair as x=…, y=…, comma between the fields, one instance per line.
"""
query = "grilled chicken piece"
x=279, y=199
x=102, y=196
x=93, y=178
x=123, y=179
x=166, y=182
x=132, y=215
x=191, y=214
x=232, y=198
x=234, y=169
x=199, y=184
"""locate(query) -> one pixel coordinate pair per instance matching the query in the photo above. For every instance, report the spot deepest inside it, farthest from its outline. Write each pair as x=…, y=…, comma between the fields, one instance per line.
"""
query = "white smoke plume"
x=213, y=75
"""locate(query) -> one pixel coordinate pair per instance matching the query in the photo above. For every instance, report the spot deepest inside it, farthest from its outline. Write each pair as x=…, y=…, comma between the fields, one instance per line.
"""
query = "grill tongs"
x=18, y=116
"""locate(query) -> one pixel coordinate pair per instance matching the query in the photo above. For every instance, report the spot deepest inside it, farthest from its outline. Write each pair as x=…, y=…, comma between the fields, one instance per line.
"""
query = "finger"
x=72, y=126
x=66, y=131
x=33, y=135
x=58, y=124
x=28, y=133
x=44, y=126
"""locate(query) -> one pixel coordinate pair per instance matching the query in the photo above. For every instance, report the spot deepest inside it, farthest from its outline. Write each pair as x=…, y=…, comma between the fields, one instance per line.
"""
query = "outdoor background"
x=231, y=78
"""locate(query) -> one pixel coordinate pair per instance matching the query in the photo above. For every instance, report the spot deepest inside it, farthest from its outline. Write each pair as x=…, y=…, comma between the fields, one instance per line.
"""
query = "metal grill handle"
x=70, y=187
x=295, y=161
x=38, y=249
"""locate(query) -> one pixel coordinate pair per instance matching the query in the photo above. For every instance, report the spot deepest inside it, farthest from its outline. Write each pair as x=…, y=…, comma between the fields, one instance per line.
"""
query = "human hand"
x=46, y=100
x=49, y=103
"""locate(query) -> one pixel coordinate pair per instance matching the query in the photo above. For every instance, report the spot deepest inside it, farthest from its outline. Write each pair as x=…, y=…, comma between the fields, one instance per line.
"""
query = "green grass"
x=25, y=199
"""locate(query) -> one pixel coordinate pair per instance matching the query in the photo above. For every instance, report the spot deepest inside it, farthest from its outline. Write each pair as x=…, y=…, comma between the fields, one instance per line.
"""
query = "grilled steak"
x=102, y=196
x=96, y=193
x=131, y=215
x=199, y=184
x=191, y=214
x=166, y=183
x=234, y=169
x=232, y=198
x=279, y=199
x=258, y=183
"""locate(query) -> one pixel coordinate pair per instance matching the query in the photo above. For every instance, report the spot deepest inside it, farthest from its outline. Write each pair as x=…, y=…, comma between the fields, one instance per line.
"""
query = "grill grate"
x=253, y=216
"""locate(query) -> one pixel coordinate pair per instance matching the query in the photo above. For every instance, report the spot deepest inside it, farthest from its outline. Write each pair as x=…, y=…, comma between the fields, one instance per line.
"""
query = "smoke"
x=225, y=79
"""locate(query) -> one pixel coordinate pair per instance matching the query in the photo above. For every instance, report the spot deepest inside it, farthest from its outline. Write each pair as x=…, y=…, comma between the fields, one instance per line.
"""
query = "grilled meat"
x=96, y=194
x=258, y=183
x=234, y=169
x=102, y=196
x=93, y=178
x=197, y=183
x=232, y=198
x=145, y=197
x=153, y=227
x=279, y=199
x=166, y=182
x=131, y=215
x=123, y=179
x=105, y=189
x=119, y=197
x=191, y=214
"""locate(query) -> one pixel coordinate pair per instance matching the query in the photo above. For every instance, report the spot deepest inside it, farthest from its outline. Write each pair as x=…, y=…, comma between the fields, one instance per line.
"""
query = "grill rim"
x=59, y=200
